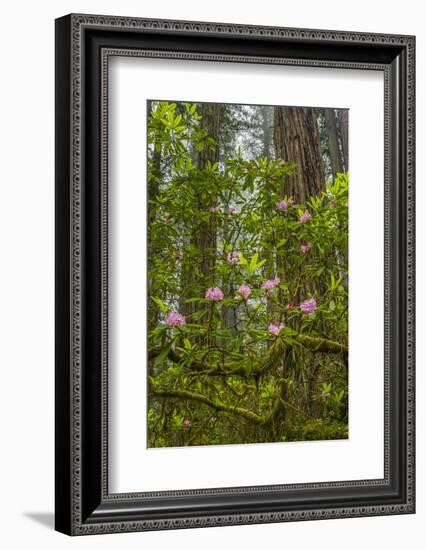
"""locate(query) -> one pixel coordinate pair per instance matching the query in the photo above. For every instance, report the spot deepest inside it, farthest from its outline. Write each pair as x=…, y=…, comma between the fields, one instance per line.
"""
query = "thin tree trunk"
x=333, y=142
x=207, y=231
x=154, y=176
x=204, y=237
x=154, y=173
x=267, y=128
x=343, y=127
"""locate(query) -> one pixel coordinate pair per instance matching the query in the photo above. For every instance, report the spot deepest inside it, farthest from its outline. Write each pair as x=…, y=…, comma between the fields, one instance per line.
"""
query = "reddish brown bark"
x=296, y=140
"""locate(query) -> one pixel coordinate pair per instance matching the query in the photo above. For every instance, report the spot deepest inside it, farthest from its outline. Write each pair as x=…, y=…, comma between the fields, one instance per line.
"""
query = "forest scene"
x=247, y=273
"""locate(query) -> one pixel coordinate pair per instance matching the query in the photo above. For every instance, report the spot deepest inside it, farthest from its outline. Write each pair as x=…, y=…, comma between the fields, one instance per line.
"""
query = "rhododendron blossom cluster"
x=174, y=319
x=281, y=205
x=244, y=291
x=308, y=306
x=271, y=283
x=305, y=217
x=274, y=328
x=214, y=294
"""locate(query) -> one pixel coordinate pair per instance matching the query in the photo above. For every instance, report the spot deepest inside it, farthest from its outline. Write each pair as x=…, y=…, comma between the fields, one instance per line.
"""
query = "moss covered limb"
x=321, y=345
x=311, y=343
x=202, y=367
x=220, y=405
x=217, y=405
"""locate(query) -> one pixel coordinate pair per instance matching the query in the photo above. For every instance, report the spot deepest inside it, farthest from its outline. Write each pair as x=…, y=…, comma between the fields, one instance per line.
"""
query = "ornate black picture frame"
x=84, y=44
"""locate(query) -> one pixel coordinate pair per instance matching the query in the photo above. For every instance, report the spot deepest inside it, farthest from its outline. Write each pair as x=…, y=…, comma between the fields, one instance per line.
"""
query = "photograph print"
x=247, y=273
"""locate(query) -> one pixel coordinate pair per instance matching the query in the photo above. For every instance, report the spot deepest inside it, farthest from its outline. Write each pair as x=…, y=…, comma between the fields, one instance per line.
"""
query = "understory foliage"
x=248, y=294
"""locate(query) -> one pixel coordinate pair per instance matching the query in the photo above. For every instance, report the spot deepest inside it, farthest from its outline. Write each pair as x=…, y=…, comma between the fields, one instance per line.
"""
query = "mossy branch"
x=311, y=343
x=221, y=406
x=320, y=345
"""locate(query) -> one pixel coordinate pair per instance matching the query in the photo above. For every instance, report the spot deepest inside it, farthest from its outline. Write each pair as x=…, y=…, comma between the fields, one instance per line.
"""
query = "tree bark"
x=333, y=142
x=154, y=176
x=207, y=230
x=267, y=128
x=203, y=234
x=154, y=172
x=296, y=140
x=343, y=123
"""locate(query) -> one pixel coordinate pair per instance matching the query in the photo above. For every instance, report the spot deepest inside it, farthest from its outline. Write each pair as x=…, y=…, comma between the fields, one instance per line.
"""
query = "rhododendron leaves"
x=160, y=304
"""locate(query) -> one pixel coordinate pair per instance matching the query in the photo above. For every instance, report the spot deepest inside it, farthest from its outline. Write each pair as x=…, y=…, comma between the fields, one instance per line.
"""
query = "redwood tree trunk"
x=296, y=140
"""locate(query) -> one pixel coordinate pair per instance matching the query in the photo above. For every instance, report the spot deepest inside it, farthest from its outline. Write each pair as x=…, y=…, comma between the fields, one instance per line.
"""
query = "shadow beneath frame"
x=47, y=519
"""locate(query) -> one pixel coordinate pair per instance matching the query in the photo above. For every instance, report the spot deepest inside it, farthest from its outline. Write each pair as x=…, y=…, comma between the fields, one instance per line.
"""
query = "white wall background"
x=26, y=289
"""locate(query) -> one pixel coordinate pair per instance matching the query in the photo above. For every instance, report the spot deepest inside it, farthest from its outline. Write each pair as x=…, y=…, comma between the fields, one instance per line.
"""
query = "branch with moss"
x=321, y=345
x=219, y=405
x=311, y=343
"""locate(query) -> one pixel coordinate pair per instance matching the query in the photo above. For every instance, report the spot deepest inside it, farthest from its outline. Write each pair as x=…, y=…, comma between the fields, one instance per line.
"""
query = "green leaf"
x=163, y=354
x=243, y=261
x=198, y=315
x=160, y=304
x=253, y=262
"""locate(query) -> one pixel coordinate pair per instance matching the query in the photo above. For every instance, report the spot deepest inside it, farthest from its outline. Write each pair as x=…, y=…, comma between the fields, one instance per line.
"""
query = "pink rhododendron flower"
x=281, y=205
x=175, y=320
x=186, y=423
x=245, y=291
x=305, y=247
x=214, y=294
x=308, y=306
x=214, y=208
x=305, y=217
x=234, y=258
x=274, y=329
x=271, y=283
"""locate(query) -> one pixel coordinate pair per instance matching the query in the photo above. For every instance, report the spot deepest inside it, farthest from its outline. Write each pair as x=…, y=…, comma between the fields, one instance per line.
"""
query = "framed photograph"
x=234, y=274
